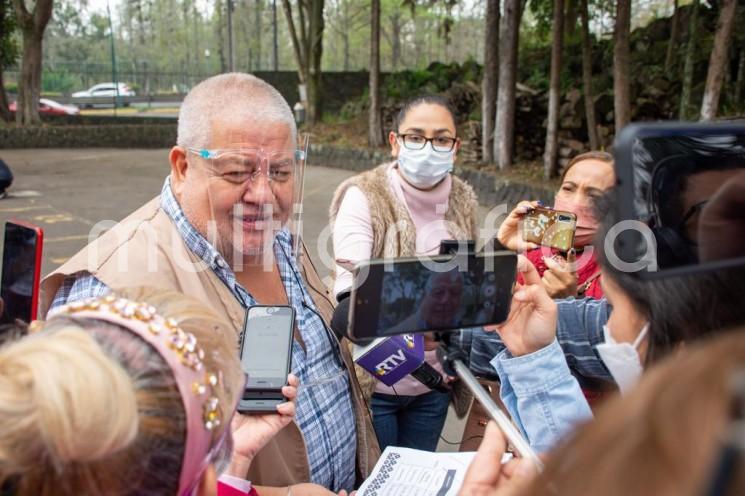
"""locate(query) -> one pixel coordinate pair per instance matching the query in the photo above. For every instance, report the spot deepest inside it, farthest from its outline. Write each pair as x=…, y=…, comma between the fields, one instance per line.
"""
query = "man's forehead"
x=250, y=134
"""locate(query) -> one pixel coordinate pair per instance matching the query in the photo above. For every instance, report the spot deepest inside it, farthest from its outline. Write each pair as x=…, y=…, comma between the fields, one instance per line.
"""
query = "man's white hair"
x=233, y=97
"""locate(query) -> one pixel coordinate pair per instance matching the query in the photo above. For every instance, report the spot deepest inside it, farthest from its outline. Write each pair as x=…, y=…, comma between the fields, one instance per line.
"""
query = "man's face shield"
x=253, y=194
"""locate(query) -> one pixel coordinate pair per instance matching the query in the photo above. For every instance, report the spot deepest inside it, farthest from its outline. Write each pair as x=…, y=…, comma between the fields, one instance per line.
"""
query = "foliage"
x=9, y=46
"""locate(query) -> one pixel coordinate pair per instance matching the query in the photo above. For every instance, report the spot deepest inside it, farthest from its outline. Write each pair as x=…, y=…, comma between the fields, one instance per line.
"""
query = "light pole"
x=113, y=59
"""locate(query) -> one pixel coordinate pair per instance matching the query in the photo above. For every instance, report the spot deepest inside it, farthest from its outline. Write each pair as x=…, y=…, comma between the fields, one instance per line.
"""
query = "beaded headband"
x=204, y=415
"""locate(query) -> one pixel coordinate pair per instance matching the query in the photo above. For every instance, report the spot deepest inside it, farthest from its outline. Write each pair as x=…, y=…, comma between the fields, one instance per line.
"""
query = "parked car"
x=107, y=90
x=50, y=107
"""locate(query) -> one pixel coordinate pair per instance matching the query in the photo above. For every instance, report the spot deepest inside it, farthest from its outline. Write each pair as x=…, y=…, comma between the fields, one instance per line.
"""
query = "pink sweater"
x=353, y=241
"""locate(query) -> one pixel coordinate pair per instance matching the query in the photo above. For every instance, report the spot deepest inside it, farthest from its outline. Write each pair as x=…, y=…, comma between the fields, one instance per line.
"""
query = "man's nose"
x=259, y=190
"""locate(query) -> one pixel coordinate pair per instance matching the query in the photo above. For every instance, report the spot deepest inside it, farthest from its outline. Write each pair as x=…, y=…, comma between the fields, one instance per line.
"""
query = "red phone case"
x=37, y=263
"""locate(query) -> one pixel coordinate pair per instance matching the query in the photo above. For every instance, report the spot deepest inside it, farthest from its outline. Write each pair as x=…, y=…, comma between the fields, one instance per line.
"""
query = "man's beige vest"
x=146, y=249
x=394, y=235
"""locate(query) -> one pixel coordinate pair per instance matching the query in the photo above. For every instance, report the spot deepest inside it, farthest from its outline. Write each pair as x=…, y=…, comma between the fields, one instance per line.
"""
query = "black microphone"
x=423, y=372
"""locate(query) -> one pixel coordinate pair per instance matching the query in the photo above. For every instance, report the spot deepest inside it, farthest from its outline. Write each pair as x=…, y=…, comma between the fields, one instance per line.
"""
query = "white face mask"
x=622, y=359
x=426, y=167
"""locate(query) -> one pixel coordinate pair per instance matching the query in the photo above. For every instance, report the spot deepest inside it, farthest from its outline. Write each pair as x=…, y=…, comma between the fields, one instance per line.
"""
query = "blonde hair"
x=87, y=407
x=664, y=438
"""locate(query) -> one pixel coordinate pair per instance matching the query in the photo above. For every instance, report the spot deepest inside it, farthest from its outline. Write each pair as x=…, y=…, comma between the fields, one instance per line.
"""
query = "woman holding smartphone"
x=406, y=207
x=585, y=179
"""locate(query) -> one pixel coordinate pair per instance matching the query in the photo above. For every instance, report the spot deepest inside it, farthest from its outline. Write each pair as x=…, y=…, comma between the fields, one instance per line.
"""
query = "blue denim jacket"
x=540, y=390
x=579, y=329
x=541, y=394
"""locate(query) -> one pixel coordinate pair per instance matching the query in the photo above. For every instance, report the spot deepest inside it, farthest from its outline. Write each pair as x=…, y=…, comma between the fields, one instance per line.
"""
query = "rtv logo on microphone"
x=391, y=359
x=395, y=360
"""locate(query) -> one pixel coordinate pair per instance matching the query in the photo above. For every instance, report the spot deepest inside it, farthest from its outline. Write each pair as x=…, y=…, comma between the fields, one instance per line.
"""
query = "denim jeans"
x=410, y=421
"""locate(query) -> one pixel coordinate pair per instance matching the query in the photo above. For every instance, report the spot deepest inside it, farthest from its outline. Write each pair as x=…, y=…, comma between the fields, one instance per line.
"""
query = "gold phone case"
x=547, y=227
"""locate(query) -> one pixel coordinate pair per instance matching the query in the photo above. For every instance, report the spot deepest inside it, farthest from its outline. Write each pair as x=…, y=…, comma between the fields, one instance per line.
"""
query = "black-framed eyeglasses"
x=417, y=142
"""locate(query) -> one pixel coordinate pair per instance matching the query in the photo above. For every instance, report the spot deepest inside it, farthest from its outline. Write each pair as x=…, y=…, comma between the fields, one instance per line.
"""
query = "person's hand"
x=721, y=227
x=508, y=233
x=487, y=476
x=560, y=279
x=252, y=432
x=531, y=324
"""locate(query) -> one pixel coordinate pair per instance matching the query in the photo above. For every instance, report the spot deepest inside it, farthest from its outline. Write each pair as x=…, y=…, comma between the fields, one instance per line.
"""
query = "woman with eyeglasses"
x=401, y=208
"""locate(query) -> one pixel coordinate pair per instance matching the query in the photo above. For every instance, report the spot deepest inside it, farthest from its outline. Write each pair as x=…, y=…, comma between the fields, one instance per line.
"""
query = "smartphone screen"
x=683, y=182
x=266, y=347
x=442, y=293
x=21, y=272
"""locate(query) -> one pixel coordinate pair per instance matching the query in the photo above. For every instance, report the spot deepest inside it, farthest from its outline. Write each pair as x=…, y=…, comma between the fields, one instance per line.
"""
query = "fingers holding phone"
x=252, y=432
x=560, y=278
x=509, y=232
x=531, y=324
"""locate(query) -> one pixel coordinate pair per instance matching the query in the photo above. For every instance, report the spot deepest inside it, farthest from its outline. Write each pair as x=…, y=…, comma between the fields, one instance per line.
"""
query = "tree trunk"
x=504, y=125
x=740, y=81
x=296, y=43
x=554, y=93
x=4, y=112
x=258, y=35
x=315, y=34
x=621, y=57
x=219, y=34
x=490, y=81
x=395, y=40
x=589, y=99
x=32, y=25
x=685, y=95
x=307, y=43
x=673, y=43
x=718, y=59
x=5, y=25
x=375, y=130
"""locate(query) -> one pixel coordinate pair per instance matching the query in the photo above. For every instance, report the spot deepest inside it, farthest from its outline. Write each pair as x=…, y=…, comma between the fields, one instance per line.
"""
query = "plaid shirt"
x=324, y=404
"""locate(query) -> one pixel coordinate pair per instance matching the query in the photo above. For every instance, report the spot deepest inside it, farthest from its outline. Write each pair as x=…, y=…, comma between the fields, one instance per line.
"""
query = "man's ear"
x=179, y=167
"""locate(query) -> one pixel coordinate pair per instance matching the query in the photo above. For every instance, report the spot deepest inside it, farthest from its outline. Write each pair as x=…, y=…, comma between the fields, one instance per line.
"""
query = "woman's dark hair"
x=679, y=308
x=419, y=100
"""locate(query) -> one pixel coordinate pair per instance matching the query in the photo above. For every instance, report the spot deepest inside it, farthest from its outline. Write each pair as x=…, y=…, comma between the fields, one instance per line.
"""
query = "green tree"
x=32, y=24
x=8, y=51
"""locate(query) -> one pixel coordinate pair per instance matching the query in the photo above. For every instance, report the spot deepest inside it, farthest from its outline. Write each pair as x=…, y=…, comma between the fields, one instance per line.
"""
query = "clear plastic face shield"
x=254, y=194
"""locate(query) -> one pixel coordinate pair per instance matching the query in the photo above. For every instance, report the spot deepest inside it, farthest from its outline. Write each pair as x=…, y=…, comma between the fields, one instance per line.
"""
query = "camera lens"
x=565, y=218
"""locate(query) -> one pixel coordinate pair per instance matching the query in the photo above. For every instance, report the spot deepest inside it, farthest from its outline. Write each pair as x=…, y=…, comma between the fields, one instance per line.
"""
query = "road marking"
x=53, y=218
x=26, y=209
x=24, y=194
x=60, y=260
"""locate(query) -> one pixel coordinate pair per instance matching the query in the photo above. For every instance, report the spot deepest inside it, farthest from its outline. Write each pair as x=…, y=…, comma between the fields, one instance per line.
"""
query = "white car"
x=105, y=90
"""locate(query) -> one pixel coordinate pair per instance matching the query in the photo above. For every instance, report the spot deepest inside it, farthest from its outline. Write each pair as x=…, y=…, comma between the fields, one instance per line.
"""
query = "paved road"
x=67, y=192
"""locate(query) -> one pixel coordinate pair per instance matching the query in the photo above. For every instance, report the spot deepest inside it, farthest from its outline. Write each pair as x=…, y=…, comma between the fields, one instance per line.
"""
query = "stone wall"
x=90, y=136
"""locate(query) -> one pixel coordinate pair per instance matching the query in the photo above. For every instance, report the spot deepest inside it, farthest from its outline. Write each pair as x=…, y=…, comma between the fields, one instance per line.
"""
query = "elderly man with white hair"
x=219, y=232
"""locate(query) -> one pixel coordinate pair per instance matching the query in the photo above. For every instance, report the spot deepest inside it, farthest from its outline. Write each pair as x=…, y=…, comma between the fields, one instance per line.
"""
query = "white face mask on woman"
x=426, y=167
x=622, y=359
